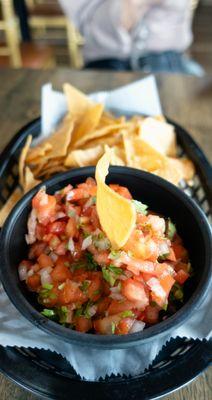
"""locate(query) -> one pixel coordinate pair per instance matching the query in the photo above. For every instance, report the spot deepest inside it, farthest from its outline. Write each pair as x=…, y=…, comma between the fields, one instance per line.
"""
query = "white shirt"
x=162, y=25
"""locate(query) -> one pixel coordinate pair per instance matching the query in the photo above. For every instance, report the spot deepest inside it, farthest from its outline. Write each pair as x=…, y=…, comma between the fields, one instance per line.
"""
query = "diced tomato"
x=171, y=256
x=95, y=287
x=181, y=265
x=151, y=314
x=45, y=261
x=116, y=306
x=71, y=228
x=71, y=293
x=54, y=241
x=104, y=326
x=103, y=305
x=61, y=249
x=45, y=206
x=181, y=276
x=83, y=324
x=60, y=273
x=167, y=282
x=57, y=227
x=94, y=218
x=101, y=258
x=124, y=326
x=40, y=231
x=36, y=249
x=123, y=191
x=26, y=263
x=33, y=282
x=180, y=252
x=135, y=292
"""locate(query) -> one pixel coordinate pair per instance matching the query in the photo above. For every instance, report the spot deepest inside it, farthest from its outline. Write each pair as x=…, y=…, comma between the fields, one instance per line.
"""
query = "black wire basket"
x=49, y=374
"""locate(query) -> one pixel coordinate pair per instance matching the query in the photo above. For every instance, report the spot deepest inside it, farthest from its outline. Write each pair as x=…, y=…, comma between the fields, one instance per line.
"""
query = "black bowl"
x=161, y=197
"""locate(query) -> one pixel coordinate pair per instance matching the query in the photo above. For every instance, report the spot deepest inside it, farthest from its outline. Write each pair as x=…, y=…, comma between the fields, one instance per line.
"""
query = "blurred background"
x=151, y=35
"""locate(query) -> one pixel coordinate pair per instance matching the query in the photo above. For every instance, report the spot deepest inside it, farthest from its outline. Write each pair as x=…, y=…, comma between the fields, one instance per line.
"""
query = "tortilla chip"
x=146, y=157
x=159, y=135
x=36, y=153
x=60, y=140
x=88, y=123
x=128, y=149
x=117, y=215
x=22, y=159
x=8, y=206
x=82, y=158
x=176, y=170
x=101, y=132
x=29, y=181
x=78, y=102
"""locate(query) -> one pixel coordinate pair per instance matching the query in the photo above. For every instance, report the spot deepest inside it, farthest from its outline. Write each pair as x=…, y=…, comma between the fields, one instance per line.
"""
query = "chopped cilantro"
x=48, y=313
x=127, y=313
x=115, y=270
x=113, y=328
x=96, y=292
x=163, y=257
x=67, y=264
x=78, y=265
x=62, y=313
x=140, y=207
x=84, y=286
x=114, y=254
x=94, y=199
x=83, y=311
x=165, y=306
x=91, y=264
x=71, y=213
x=111, y=273
x=170, y=229
x=47, y=286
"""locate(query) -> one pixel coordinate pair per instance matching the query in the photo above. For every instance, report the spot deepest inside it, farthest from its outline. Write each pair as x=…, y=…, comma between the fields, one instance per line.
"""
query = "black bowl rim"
x=107, y=341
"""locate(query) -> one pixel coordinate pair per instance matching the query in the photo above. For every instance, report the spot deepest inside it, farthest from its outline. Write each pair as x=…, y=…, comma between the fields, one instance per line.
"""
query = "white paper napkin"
x=91, y=364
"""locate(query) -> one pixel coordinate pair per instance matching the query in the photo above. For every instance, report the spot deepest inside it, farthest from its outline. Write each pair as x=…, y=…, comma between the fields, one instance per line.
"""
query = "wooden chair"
x=48, y=14
x=16, y=54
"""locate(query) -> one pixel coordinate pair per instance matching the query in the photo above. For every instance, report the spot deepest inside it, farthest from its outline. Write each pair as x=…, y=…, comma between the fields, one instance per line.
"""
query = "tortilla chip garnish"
x=22, y=159
x=117, y=215
x=77, y=101
x=29, y=181
x=8, y=206
x=88, y=123
x=160, y=135
x=82, y=158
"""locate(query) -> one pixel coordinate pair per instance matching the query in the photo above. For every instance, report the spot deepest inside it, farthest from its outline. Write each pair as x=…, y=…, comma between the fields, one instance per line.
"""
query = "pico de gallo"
x=84, y=284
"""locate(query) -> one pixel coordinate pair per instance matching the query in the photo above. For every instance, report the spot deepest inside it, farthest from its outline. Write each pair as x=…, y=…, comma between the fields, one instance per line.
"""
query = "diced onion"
x=102, y=244
x=138, y=326
x=115, y=289
x=53, y=256
x=69, y=195
x=163, y=248
x=71, y=247
x=86, y=242
x=88, y=203
x=31, y=225
x=22, y=271
x=30, y=273
x=92, y=310
x=60, y=214
x=45, y=276
x=117, y=296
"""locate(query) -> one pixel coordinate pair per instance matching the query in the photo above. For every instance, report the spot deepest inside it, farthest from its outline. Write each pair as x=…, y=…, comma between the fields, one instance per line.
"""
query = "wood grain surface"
x=185, y=99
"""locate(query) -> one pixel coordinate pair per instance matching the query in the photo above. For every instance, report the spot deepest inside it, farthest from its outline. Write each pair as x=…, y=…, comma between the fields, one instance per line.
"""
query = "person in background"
x=149, y=35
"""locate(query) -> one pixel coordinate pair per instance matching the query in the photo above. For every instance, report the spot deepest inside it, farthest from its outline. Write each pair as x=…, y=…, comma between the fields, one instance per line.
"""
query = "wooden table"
x=187, y=100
